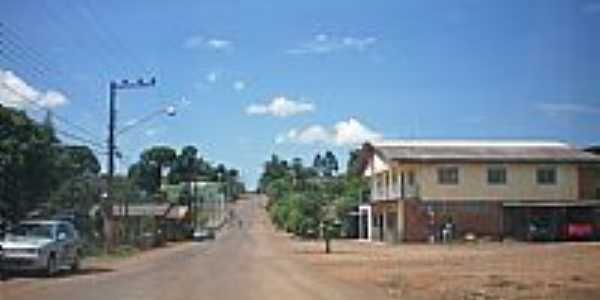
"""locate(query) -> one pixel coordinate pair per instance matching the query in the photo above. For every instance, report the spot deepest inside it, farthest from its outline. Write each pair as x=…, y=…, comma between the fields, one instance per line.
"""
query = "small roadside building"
x=495, y=189
x=206, y=199
x=171, y=219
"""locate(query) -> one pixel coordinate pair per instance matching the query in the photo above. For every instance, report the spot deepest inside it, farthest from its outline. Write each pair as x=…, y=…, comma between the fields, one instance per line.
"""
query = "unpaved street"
x=251, y=262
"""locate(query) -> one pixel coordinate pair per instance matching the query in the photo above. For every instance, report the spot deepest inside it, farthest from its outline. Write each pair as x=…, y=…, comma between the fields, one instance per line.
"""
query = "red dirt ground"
x=467, y=271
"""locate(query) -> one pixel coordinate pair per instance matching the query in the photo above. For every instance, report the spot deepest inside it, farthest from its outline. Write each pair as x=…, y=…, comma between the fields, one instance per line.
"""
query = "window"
x=411, y=178
x=496, y=175
x=62, y=228
x=379, y=182
x=448, y=175
x=395, y=177
x=546, y=175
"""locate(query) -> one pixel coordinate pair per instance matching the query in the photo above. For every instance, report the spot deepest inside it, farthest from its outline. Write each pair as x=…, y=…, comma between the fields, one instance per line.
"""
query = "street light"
x=169, y=111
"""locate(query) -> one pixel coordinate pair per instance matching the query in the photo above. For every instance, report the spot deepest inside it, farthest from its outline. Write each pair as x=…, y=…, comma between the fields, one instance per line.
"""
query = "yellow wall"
x=521, y=183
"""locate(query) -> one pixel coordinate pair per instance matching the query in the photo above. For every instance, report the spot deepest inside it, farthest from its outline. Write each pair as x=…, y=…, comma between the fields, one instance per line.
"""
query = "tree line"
x=37, y=169
x=148, y=173
x=40, y=173
x=304, y=198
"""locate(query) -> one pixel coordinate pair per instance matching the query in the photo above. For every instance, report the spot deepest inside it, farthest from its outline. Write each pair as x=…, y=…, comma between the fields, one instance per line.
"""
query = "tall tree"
x=319, y=163
x=148, y=171
x=187, y=165
x=352, y=161
x=77, y=160
x=330, y=164
x=28, y=155
x=159, y=157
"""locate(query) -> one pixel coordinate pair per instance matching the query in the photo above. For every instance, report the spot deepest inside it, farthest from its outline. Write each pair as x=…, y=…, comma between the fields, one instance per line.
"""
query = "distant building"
x=205, y=199
x=488, y=188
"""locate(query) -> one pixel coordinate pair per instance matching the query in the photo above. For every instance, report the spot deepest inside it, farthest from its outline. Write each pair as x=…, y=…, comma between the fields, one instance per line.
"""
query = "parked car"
x=2, y=275
x=41, y=245
x=541, y=229
x=203, y=234
x=579, y=231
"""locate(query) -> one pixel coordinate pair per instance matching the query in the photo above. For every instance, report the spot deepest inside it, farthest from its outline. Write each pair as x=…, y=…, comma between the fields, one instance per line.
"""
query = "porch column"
x=365, y=210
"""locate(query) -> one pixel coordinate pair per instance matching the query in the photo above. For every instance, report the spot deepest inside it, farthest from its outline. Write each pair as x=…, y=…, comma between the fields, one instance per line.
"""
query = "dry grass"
x=467, y=271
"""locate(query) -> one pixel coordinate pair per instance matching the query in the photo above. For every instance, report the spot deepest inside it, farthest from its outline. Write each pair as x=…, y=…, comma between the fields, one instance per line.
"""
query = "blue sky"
x=250, y=78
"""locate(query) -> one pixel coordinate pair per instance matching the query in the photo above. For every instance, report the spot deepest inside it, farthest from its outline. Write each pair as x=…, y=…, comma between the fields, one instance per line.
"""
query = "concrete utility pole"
x=108, y=210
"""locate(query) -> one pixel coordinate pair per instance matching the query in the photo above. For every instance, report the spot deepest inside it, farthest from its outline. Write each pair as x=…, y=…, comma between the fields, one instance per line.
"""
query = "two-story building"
x=487, y=188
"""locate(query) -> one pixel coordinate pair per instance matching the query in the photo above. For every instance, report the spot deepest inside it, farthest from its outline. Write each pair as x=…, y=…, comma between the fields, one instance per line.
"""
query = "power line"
x=103, y=27
x=29, y=57
x=80, y=139
x=59, y=131
x=58, y=117
x=13, y=42
x=32, y=73
x=62, y=26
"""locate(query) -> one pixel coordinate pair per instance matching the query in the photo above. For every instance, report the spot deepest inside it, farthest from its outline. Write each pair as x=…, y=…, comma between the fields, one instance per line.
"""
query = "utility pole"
x=108, y=205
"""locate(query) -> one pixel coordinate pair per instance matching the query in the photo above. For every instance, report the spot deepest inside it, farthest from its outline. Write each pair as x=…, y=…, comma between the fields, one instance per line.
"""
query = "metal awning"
x=571, y=203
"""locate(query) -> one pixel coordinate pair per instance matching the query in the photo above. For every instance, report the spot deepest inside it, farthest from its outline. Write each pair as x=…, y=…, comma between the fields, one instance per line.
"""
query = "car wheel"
x=51, y=266
x=76, y=263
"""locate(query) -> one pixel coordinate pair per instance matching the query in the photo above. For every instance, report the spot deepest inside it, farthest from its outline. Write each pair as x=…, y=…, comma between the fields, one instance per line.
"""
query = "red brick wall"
x=483, y=218
x=416, y=228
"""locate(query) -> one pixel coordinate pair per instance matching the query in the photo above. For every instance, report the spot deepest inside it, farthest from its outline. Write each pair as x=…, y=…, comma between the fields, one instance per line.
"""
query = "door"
x=391, y=226
x=381, y=227
x=66, y=244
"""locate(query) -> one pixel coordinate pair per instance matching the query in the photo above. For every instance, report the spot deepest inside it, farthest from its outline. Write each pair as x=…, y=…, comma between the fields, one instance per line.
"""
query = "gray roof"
x=490, y=151
x=152, y=210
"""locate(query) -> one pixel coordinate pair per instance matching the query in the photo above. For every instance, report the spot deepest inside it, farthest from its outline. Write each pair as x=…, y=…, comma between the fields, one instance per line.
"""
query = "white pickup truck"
x=45, y=245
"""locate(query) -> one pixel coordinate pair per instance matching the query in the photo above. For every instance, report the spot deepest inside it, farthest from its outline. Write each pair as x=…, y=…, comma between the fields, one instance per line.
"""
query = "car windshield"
x=33, y=230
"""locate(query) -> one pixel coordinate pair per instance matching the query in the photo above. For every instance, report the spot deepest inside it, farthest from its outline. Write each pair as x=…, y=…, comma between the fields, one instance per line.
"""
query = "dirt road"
x=251, y=262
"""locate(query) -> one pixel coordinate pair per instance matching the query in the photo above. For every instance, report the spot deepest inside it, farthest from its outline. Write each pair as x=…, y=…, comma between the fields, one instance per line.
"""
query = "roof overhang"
x=495, y=160
x=555, y=204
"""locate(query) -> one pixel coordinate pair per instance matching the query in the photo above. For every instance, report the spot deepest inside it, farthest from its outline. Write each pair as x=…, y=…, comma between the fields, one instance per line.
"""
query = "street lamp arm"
x=170, y=111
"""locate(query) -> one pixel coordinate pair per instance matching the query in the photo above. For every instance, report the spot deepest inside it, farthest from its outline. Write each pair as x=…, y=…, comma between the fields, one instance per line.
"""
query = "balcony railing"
x=395, y=192
x=411, y=191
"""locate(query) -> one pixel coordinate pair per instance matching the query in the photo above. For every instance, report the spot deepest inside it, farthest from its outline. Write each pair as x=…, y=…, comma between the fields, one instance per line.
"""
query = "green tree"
x=147, y=172
x=187, y=165
x=75, y=160
x=28, y=155
x=77, y=194
x=330, y=164
x=160, y=157
x=352, y=164
x=319, y=164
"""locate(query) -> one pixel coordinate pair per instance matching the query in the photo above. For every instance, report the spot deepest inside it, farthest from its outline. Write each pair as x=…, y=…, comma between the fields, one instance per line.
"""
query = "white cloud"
x=323, y=44
x=15, y=92
x=352, y=132
x=562, y=109
x=217, y=44
x=280, y=107
x=343, y=133
x=359, y=44
x=211, y=77
x=52, y=99
x=309, y=135
x=239, y=85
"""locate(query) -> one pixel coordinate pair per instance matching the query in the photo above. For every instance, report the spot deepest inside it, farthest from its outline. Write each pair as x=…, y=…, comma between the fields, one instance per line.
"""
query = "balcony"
x=394, y=192
x=411, y=191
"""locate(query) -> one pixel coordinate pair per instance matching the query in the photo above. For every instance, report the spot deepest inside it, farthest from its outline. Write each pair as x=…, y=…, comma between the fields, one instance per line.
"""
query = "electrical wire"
x=103, y=27
x=58, y=117
x=19, y=53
